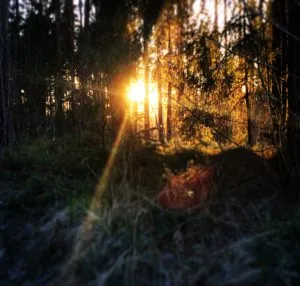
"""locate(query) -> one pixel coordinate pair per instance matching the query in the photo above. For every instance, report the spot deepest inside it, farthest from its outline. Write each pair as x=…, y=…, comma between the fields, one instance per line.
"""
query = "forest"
x=149, y=142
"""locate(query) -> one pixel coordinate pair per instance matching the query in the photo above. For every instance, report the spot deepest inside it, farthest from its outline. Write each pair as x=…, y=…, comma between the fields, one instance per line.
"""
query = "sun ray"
x=84, y=234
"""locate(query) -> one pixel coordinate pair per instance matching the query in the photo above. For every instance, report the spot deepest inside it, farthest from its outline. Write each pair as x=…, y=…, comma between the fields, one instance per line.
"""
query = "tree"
x=246, y=84
x=5, y=112
x=169, y=63
x=59, y=116
x=293, y=82
x=68, y=31
x=146, y=99
x=159, y=94
x=150, y=11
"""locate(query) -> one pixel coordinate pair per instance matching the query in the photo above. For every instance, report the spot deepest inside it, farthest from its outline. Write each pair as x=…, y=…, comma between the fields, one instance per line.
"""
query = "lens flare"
x=85, y=232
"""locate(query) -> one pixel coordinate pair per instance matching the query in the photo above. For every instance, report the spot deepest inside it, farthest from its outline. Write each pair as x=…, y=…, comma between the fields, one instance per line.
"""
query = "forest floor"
x=50, y=235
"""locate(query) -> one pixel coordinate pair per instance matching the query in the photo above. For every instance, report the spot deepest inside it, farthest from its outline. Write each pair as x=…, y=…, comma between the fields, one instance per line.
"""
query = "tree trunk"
x=169, y=112
x=279, y=46
x=216, y=16
x=87, y=10
x=160, y=106
x=278, y=101
x=80, y=5
x=146, y=99
x=246, y=85
x=183, y=20
x=169, y=98
x=5, y=113
x=58, y=82
x=293, y=83
x=248, y=107
x=225, y=22
x=16, y=66
x=160, y=122
x=117, y=101
x=69, y=16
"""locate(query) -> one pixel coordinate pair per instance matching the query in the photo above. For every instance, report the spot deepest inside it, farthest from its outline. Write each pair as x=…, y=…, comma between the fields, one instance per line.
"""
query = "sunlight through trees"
x=214, y=73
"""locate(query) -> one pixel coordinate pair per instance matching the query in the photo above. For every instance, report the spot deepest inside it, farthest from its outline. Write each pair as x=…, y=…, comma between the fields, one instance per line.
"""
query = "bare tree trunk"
x=135, y=116
x=69, y=16
x=169, y=98
x=248, y=106
x=225, y=22
x=160, y=114
x=83, y=73
x=246, y=84
x=80, y=5
x=216, y=16
x=117, y=101
x=15, y=90
x=58, y=83
x=278, y=102
x=182, y=18
x=83, y=67
x=294, y=83
x=87, y=11
x=146, y=99
x=5, y=113
x=169, y=112
x=160, y=96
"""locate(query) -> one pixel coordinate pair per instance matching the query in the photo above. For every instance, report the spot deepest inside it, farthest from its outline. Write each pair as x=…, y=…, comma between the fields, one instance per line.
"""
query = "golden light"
x=204, y=10
x=84, y=234
x=136, y=91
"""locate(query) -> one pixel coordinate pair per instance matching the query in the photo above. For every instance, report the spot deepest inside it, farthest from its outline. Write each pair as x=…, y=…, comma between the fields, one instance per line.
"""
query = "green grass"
x=55, y=170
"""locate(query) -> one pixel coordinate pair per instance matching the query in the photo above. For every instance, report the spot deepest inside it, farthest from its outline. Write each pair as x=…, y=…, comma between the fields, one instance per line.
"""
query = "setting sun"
x=136, y=93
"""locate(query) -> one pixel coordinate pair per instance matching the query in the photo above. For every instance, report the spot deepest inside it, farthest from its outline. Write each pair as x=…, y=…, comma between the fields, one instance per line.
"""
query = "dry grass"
x=229, y=243
x=228, y=240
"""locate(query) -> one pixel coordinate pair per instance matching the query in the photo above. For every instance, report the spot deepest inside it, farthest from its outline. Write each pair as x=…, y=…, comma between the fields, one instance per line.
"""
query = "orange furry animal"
x=187, y=189
x=238, y=172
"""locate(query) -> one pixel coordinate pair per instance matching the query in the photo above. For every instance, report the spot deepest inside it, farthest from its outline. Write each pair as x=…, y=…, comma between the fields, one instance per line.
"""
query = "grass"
x=226, y=241
x=224, y=244
x=55, y=170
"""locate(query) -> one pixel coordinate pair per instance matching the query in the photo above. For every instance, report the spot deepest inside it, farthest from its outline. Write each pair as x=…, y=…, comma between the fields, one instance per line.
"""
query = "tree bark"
x=225, y=22
x=69, y=16
x=293, y=83
x=146, y=99
x=5, y=113
x=246, y=84
x=117, y=101
x=216, y=16
x=248, y=107
x=160, y=106
x=169, y=112
x=169, y=98
x=80, y=5
x=58, y=82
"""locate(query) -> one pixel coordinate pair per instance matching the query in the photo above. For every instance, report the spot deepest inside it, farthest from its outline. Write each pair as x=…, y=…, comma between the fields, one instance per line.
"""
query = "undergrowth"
x=225, y=243
x=133, y=241
x=55, y=170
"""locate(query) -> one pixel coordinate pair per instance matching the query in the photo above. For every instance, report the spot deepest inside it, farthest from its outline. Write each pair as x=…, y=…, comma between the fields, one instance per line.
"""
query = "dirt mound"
x=242, y=171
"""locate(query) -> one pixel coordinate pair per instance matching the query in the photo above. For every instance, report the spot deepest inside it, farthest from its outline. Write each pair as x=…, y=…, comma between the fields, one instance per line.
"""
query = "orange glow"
x=188, y=189
x=84, y=235
x=136, y=93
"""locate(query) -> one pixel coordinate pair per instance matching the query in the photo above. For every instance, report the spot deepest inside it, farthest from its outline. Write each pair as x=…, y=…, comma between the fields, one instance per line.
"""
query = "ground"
x=49, y=238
